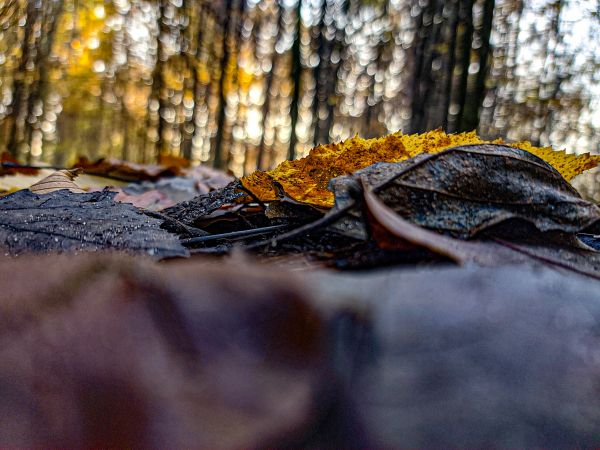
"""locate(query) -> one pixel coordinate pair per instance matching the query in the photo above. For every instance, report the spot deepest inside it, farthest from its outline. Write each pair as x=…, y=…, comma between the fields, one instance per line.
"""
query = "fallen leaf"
x=126, y=171
x=10, y=166
x=153, y=200
x=390, y=231
x=61, y=179
x=413, y=234
x=166, y=192
x=306, y=180
x=466, y=190
x=65, y=221
x=189, y=212
x=16, y=182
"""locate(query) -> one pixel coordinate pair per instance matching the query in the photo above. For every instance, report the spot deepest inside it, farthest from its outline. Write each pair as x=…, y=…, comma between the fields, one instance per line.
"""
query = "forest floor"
x=426, y=308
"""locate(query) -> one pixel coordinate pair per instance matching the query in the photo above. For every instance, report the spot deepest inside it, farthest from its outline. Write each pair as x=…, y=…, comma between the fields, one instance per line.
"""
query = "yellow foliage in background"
x=305, y=180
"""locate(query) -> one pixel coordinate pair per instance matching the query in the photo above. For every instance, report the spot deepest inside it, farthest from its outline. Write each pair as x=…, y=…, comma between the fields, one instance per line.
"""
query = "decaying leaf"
x=413, y=234
x=390, y=231
x=466, y=190
x=306, y=180
x=10, y=166
x=61, y=179
x=167, y=192
x=65, y=221
x=126, y=171
x=189, y=212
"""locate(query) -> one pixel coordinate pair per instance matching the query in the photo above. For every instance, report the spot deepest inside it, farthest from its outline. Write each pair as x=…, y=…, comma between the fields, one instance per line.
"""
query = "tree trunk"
x=296, y=75
x=158, y=83
x=470, y=118
x=466, y=17
x=18, y=113
x=447, y=94
x=228, y=32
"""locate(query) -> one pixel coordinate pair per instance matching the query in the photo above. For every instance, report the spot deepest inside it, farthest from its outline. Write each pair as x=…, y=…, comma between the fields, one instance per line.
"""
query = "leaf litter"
x=446, y=196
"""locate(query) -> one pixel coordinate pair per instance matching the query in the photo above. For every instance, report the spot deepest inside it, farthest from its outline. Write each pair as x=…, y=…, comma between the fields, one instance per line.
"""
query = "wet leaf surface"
x=166, y=192
x=69, y=222
x=466, y=190
x=189, y=212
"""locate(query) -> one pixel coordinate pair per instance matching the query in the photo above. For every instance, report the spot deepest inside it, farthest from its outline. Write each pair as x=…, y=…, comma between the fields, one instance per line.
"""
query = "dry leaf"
x=306, y=180
x=6, y=163
x=126, y=171
x=61, y=179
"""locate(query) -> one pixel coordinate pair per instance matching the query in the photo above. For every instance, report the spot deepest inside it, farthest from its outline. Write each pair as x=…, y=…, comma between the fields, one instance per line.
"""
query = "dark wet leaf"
x=469, y=189
x=65, y=221
x=190, y=212
x=390, y=231
x=167, y=192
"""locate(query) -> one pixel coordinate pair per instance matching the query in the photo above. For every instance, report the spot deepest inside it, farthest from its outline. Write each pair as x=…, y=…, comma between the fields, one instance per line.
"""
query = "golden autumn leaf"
x=305, y=180
x=61, y=179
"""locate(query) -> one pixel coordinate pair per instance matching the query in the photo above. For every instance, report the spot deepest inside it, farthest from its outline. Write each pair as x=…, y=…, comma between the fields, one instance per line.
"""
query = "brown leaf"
x=467, y=190
x=61, y=179
x=8, y=169
x=390, y=231
x=385, y=217
x=126, y=171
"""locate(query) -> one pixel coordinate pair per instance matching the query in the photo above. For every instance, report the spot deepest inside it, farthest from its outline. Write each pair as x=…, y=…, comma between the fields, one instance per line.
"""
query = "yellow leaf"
x=306, y=179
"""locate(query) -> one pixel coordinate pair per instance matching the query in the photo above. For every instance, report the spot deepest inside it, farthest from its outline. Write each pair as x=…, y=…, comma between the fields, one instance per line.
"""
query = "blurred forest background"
x=242, y=84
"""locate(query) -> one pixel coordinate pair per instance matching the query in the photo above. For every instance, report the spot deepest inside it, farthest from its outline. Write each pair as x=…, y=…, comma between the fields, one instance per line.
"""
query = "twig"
x=324, y=221
x=231, y=235
x=188, y=229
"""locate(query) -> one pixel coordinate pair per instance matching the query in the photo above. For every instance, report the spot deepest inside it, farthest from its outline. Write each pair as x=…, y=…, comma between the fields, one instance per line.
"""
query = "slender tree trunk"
x=334, y=78
x=466, y=13
x=447, y=94
x=262, y=150
x=158, y=84
x=475, y=99
x=296, y=75
x=18, y=115
x=192, y=83
x=38, y=88
x=320, y=92
x=422, y=65
x=229, y=43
